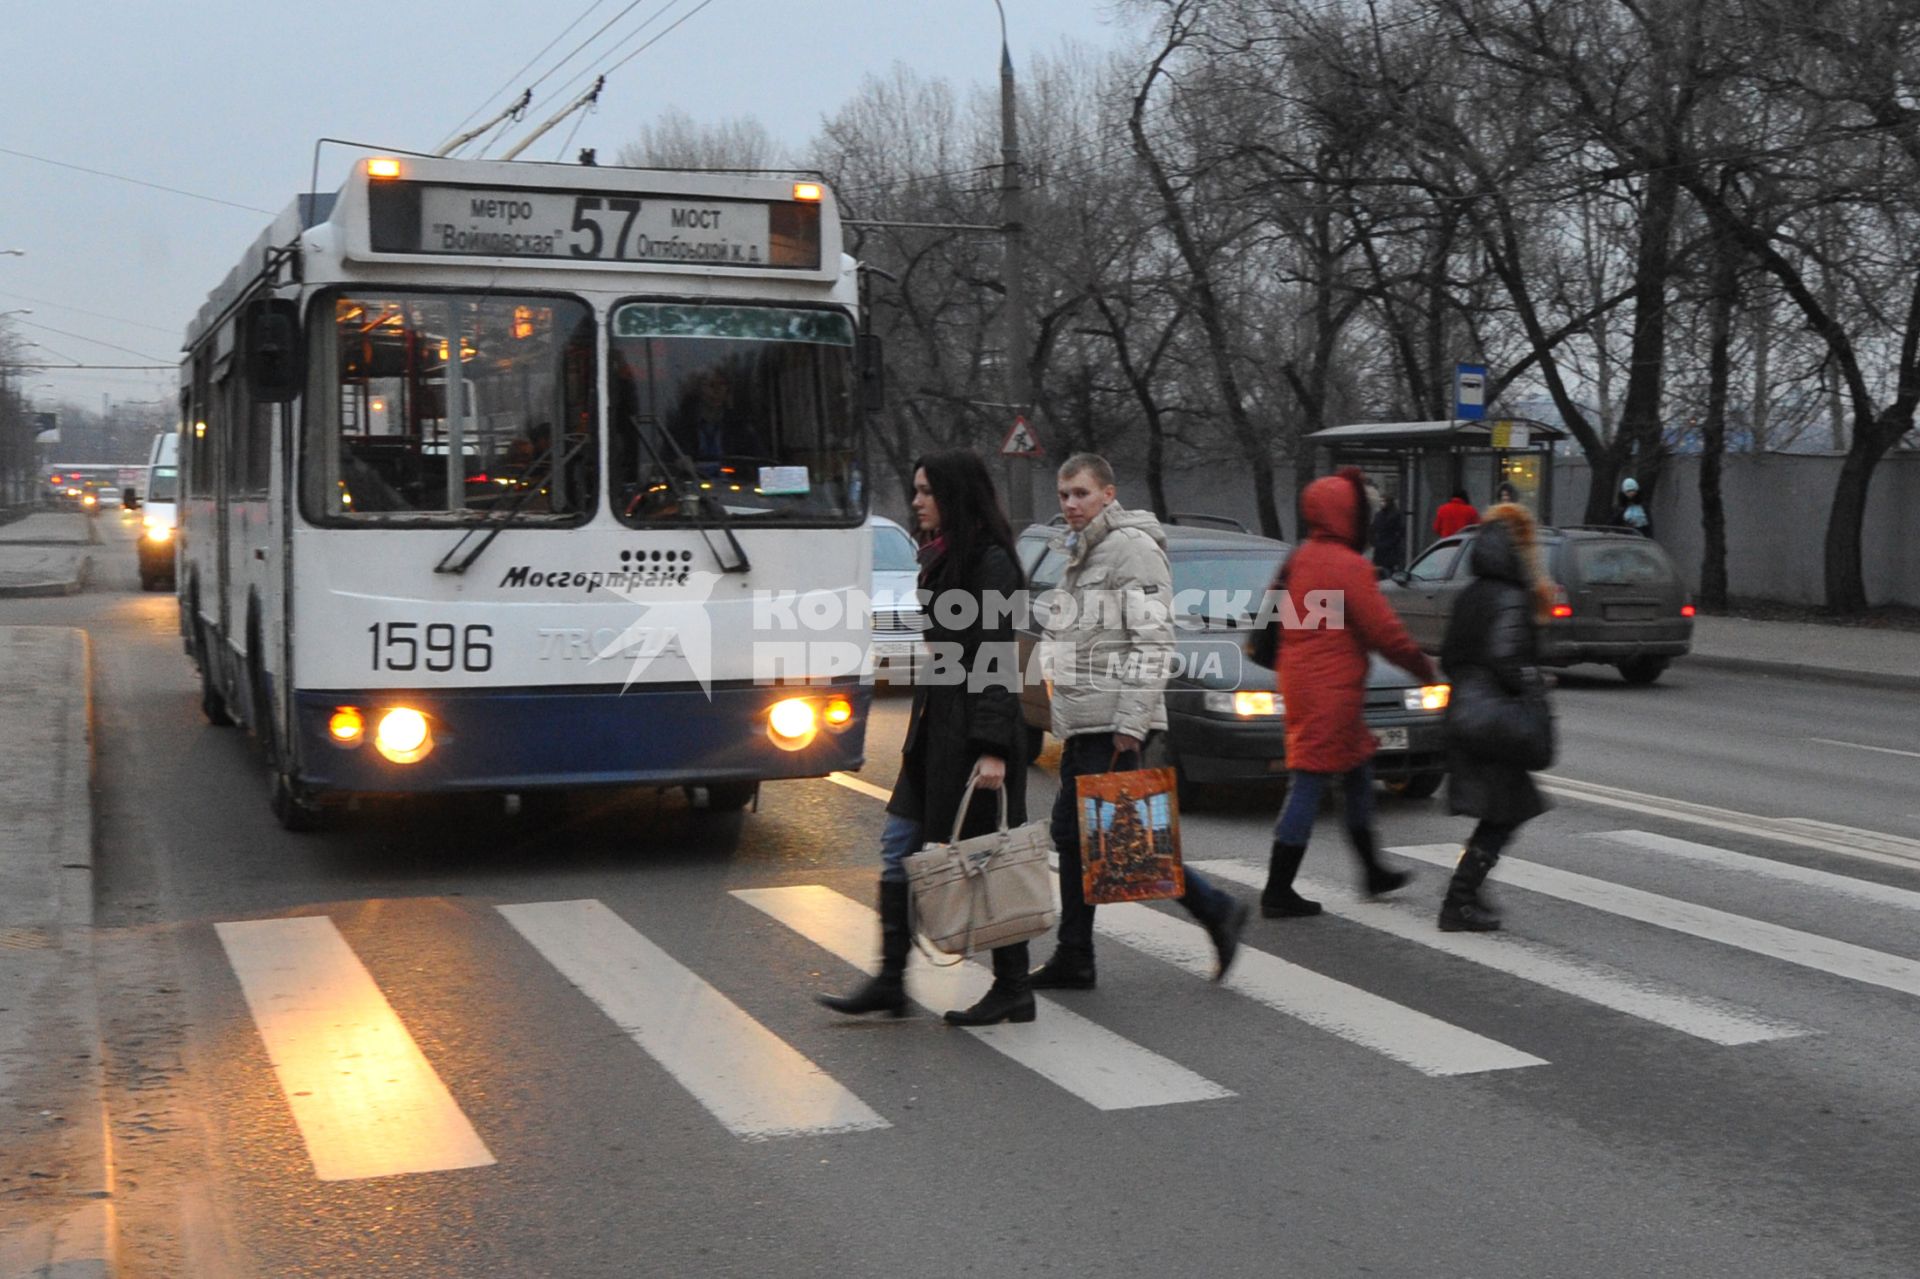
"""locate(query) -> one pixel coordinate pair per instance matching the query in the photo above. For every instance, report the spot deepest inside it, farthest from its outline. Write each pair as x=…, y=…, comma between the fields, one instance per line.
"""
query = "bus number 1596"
x=440, y=646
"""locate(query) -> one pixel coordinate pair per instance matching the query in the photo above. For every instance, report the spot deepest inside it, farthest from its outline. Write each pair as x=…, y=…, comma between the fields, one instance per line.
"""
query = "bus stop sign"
x=1469, y=392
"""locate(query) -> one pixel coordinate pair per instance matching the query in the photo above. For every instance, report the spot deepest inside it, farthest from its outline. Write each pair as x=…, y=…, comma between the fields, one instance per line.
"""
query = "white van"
x=161, y=513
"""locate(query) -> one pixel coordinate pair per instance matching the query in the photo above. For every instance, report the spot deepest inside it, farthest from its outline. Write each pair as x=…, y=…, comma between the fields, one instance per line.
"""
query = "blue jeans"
x=1093, y=753
x=1303, y=801
x=899, y=840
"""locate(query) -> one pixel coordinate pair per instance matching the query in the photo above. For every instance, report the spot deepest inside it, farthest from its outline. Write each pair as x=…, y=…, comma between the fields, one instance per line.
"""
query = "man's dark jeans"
x=1093, y=753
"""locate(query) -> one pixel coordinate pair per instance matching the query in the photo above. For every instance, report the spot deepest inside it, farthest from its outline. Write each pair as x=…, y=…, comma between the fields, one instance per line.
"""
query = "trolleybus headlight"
x=402, y=735
x=347, y=726
x=792, y=723
x=839, y=712
x=158, y=531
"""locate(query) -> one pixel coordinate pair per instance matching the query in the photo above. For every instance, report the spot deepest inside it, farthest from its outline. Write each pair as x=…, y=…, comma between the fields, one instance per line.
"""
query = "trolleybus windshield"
x=748, y=406
x=401, y=431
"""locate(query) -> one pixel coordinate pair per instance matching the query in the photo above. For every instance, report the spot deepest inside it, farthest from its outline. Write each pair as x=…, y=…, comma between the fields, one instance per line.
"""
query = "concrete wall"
x=1776, y=508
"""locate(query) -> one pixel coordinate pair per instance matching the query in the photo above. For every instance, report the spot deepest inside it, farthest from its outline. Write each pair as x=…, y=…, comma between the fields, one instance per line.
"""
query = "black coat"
x=953, y=724
x=1490, y=650
x=1390, y=539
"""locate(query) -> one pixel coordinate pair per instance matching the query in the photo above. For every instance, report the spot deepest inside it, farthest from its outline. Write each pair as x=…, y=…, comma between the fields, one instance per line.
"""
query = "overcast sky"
x=225, y=98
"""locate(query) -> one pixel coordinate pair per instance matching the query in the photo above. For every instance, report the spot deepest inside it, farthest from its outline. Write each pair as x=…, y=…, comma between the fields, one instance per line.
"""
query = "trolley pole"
x=1019, y=390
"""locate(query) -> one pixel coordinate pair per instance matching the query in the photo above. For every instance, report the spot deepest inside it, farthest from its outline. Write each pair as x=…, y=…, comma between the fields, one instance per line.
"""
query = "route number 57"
x=587, y=212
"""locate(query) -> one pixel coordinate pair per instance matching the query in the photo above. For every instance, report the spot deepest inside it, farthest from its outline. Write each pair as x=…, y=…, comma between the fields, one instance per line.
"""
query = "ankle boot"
x=1224, y=930
x=886, y=991
x=1010, y=998
x=1071, y=968
x=1379, y=878
x=1278, y=900
x=1464, y=911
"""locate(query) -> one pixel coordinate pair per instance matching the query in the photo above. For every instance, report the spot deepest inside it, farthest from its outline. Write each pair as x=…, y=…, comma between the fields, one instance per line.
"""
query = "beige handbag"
x=991, y=890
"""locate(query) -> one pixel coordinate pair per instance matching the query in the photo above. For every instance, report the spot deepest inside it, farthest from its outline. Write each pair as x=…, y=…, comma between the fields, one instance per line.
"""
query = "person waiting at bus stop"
x=1323, y=683
x=1113, y=612
x=961, y=730
x=1454, y=514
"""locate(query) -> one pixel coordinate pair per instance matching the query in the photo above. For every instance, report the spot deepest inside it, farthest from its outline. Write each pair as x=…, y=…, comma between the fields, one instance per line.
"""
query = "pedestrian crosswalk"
x=368, y=1101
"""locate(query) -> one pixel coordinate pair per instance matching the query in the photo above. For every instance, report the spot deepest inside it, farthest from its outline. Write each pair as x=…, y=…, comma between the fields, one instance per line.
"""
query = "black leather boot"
x=1277, y=899
x=1224, y=930
x=1464, y=911
x=1071, y=968
x=886, y=992
x=1379, y=878
x=1010, y=998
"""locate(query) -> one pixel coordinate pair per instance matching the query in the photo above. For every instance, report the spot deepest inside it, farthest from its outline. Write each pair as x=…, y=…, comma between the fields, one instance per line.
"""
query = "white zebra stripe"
x=1089, y=1061
x=1530, y=961
x=747, y=1077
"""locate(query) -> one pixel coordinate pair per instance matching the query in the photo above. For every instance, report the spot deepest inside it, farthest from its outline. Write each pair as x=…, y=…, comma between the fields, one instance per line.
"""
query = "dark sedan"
x=1226, y=724
x=1619, y=599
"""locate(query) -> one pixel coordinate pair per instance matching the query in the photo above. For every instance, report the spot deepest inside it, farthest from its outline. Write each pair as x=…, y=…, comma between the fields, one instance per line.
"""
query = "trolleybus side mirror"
x=270, y=345
x=873, y=373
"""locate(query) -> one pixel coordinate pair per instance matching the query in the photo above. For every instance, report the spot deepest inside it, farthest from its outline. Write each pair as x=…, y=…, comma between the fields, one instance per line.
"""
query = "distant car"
x=898, y=620
x=1619, y=599
x=1226, y=721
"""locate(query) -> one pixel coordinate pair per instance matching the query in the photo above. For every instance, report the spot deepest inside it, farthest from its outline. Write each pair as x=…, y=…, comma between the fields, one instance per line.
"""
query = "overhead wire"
x=576, y=51
x=524, y=69
x=139, y=182
x=591, y=67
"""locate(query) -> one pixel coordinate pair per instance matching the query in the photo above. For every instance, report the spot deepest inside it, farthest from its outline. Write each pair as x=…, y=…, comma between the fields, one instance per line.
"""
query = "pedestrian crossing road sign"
x=1021, y=441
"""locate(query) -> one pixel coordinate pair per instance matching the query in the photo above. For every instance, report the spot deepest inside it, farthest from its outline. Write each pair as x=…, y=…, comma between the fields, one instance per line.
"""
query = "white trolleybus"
x=490, y=469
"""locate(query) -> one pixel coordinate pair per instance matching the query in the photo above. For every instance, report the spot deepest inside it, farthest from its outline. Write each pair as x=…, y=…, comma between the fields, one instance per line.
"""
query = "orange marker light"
x=383, y=167
x=811, y=191
x=839, y=713
x=347, y=725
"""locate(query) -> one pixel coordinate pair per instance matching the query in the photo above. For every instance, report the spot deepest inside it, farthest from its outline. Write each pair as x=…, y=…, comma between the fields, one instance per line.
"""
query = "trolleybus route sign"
x=427, y=218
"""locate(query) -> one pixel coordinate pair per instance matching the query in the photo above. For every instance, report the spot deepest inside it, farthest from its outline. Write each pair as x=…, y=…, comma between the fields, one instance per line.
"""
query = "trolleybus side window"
x=750, y=405
x=200, y=441
x=403, y=431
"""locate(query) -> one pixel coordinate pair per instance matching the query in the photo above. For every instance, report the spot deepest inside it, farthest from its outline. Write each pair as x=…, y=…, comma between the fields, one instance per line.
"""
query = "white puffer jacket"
x=1111, y=639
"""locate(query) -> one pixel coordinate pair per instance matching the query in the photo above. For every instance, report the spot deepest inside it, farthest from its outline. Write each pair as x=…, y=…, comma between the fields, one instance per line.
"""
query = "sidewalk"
x=56, y=1207
x=47, y=553
x=1861, y=655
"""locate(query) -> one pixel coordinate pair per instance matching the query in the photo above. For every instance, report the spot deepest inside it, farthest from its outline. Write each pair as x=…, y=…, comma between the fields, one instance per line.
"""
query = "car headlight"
x=1246, y=704
x=1430, y=697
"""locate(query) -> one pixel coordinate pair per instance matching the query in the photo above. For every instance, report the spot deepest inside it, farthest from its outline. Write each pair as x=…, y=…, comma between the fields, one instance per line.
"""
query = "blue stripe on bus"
x=523, y=738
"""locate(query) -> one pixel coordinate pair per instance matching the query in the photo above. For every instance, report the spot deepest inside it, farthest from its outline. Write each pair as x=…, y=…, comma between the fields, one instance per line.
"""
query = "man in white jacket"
x=1110, y=642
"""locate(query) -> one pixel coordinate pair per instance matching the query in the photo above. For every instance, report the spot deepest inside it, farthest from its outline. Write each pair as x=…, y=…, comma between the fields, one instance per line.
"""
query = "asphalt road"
x=1691, y=1053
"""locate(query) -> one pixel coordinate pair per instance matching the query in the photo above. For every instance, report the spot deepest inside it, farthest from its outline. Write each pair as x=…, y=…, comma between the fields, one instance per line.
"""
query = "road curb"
x=81, y=1242
x=52, y=587
x=1807, y=671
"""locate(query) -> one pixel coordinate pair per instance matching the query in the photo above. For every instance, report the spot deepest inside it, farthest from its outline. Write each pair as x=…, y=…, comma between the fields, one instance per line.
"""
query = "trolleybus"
x=487, y=469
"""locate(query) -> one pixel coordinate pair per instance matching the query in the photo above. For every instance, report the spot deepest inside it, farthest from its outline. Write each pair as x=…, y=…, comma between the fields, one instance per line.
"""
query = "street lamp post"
x=1013, y=278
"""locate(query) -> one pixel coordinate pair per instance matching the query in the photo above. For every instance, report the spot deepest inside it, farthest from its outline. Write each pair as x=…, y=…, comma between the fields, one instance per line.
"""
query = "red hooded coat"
x=1323, y=671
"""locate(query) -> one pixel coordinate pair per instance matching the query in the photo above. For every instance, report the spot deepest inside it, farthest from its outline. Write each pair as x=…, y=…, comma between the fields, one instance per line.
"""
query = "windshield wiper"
x=505, y=518
x=691, y=496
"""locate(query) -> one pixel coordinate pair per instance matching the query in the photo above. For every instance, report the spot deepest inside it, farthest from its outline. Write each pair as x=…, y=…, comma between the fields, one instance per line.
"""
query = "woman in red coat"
x=1337, y=617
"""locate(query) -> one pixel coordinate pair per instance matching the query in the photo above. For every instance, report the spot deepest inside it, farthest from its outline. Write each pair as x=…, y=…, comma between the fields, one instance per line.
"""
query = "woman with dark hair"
x=965, y=726
x=1489, y=653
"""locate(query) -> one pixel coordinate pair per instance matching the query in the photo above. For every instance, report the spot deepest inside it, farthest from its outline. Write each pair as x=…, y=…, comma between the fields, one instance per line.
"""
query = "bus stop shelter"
x=1422, y=463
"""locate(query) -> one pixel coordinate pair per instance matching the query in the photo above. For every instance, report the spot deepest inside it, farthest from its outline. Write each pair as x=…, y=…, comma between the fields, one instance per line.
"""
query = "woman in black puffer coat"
x=1490, y=652
x=965, y=724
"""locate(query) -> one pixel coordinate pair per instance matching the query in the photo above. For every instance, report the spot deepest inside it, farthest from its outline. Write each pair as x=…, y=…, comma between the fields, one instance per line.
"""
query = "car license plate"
x=1390, y=739
x=893, y=648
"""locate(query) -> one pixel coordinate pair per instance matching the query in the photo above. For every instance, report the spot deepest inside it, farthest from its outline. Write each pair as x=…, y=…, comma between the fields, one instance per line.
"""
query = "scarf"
x=930, y=555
